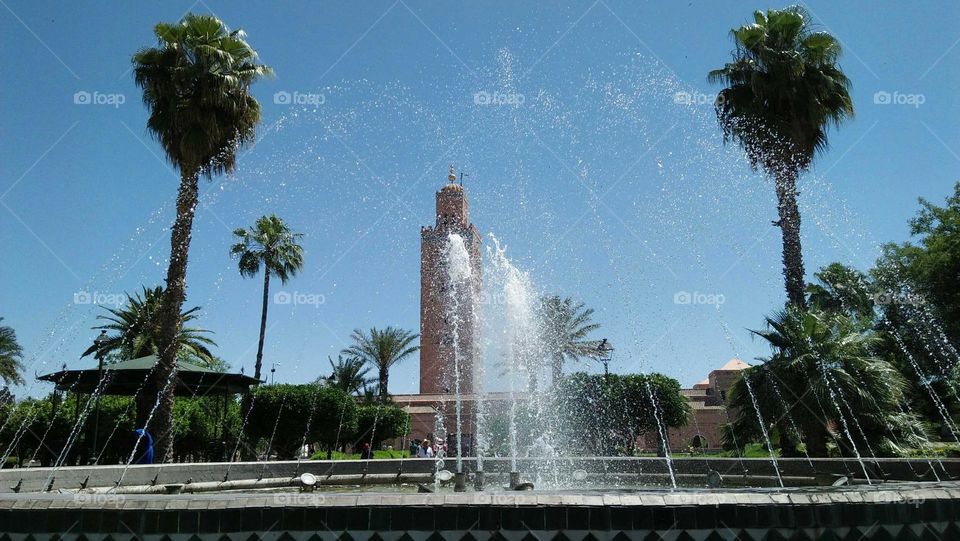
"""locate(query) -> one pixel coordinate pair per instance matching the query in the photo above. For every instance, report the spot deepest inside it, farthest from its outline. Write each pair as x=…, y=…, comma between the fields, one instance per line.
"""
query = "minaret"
x=436, y=336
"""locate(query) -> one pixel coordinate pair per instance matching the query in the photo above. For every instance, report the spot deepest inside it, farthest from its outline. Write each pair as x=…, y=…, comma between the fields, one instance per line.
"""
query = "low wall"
x=601, y=470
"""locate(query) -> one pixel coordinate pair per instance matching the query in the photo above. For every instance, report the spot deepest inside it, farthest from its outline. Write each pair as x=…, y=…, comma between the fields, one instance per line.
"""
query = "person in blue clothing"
x=144, y=438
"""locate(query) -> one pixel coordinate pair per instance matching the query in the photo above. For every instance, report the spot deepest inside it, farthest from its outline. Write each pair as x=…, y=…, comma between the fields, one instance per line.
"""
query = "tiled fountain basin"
x=890, y=511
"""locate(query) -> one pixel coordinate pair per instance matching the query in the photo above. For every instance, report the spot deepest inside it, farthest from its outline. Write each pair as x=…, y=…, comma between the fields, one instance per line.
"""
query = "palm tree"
x=270, y=243
x=10, y=356
x=565, y=325
x=196, y=85
x=382, y=350
x=349, y=375
x=136, y=328
x=821, y=378
x=783, y=90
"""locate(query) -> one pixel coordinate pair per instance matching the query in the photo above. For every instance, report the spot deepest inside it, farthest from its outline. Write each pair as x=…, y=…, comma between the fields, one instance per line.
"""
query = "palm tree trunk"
x=162, y=384
x=263, y=322
x=384, y=380
x=789, y=224
x=557, y=370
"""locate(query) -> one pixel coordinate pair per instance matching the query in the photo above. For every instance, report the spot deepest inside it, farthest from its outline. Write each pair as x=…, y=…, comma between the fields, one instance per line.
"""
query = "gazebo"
x=125, y=378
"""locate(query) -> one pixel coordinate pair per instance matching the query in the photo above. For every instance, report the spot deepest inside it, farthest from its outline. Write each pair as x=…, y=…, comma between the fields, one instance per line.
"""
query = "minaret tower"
x=436, y=333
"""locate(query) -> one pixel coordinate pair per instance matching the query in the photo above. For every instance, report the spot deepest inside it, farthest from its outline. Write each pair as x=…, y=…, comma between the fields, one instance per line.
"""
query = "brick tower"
x=436, y=333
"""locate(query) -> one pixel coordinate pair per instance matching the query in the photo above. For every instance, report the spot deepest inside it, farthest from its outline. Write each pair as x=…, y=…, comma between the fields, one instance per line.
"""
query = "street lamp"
x=98, y=343
x=273, y=371
x=605, y=354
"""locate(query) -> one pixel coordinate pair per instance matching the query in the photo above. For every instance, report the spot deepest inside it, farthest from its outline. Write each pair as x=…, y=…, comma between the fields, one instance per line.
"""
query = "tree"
x=377, y=423
x=349, y=375
x=289, y=413
x=270, y=243
x=565, y=325
x=11, y=355
x=382, y=349
x=822, y=376
x=783, y=90
x=196, y=85
x=924, y=273
x=136, y=329
x=618, y=410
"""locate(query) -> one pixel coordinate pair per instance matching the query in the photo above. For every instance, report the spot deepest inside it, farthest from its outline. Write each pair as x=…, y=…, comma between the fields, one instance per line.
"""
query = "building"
x=433, y=409
x=437, y=338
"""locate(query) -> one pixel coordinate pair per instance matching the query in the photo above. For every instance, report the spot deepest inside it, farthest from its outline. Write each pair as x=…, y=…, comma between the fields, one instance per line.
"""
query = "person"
x=144, y=438
x=425, y=451
x=414, y=446
x=366, y=453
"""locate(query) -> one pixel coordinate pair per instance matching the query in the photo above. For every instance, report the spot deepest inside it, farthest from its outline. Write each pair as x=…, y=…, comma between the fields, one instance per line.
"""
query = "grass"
x=337, y=455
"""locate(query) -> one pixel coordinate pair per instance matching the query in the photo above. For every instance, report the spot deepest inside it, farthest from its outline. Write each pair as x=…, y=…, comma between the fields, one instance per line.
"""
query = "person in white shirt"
x=425, y=451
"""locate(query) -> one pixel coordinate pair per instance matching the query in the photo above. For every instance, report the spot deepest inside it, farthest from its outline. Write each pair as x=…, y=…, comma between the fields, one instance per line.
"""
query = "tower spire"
x=453, y=175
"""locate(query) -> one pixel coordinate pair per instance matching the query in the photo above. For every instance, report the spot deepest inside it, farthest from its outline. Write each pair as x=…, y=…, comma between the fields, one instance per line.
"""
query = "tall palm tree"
x=823, y=377
x=349, y=375
x=382, y=349
x=783, y=90
x=565, y=325
x=270, y=243
x=196, y=85
x=10, y=356
x=135, y=330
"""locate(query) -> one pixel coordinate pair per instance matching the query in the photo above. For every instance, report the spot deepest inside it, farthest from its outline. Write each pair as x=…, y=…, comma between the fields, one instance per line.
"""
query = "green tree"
x=565, y=325
x=135, y=330
x=349, y=375
x=382, y=349
x=924, y=273
x=598, y=414
x=11, y=355
x=272, y=244
x=377, y=423
x=823, y=373
x=783, y=90
x=283, y=412
x=196, y=86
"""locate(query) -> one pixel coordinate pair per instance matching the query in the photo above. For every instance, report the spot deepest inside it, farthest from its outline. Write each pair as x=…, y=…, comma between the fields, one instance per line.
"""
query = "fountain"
x=702, y=497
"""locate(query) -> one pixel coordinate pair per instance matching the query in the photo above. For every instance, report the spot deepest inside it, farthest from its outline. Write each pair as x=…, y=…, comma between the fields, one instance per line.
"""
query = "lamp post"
x=273, y=371
x=605, y=354
x=98, y=342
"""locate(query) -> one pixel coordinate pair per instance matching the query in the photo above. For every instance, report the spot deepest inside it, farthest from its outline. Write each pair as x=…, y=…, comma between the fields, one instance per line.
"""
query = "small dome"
x=452, y=188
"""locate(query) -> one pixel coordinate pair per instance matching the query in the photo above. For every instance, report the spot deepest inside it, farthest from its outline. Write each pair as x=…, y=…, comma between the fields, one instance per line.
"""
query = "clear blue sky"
x=598, y=181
